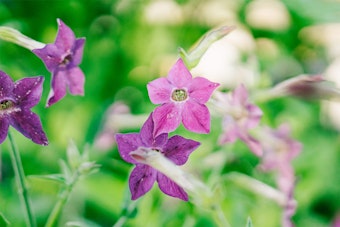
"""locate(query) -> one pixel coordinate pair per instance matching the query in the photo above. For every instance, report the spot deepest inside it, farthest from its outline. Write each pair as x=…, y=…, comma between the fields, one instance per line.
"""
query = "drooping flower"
x=239, y=116
x=177, y=149
x=279, y=149
x=16, y=101
x=62, y=59
x=182, y=99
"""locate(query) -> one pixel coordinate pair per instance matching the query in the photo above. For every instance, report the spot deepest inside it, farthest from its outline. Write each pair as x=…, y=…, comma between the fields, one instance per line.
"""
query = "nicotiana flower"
x=182, y=99
x=177, y=149
x=16, y=100
x=307, y=87
x=239, y=116
x=62, y=59
x=279, y=149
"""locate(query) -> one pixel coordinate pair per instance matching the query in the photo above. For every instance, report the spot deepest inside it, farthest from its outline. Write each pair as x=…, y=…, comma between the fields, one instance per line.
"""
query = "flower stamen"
x=179, y=95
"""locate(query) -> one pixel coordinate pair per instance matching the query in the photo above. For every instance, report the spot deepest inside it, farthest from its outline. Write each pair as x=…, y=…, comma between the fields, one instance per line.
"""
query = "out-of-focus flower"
x=307, y=87
x=183, y=99
x=239, y=116
x=177, y=149
x=279, y=149
x=62, y=58
x=117, y=117
x=16, y=101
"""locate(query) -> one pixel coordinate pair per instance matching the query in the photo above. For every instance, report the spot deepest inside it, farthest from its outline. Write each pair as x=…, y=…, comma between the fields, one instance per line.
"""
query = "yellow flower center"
x=179, y=95
x=6, y=104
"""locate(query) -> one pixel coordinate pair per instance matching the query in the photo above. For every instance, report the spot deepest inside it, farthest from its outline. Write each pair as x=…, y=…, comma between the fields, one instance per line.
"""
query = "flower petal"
x=6, y=85
x=141, y=180
x=58, y=87
x=254, y=116
x=78, y=50
x=240, y=95
x=166, y=118
x=179, y=75
x=201, y=89
x=75, y=81
x=50, y=55
x=159, y=90
x=146, y=134
x=127, y=143
x=230, y=130
x=65, y=37
x=28, y=123
x=171, y=188
x=196, y=117
x=4, y=124
x=252, y=143
x=178, y=149
x=27, y=91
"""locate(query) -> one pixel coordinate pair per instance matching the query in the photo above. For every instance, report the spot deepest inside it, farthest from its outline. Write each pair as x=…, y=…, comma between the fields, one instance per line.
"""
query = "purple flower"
x=16, y=100
x=62, y=59
x=239, y=117
x=182, y=99
x=177, y=149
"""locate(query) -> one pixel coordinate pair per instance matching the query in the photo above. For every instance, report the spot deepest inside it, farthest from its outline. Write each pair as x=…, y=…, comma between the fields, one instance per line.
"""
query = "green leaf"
x=73, y=156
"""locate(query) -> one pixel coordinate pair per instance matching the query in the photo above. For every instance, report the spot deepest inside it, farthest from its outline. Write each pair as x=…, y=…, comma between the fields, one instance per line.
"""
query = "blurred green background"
x=129, y=43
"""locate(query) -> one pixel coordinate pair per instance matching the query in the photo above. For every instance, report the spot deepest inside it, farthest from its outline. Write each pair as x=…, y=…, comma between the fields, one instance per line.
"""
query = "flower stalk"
x=20, y=178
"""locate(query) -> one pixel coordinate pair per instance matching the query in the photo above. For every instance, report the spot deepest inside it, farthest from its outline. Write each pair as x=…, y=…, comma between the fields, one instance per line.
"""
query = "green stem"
x=220, y=217
x=64, y=195
x=20, y=178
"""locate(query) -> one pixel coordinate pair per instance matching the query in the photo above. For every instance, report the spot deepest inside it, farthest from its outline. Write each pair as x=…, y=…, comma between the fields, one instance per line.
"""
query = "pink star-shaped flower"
x=239, y=117
x=182, y=99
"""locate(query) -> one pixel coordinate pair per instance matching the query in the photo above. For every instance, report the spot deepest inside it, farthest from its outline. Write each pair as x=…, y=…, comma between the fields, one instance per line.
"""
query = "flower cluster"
x=62, y=59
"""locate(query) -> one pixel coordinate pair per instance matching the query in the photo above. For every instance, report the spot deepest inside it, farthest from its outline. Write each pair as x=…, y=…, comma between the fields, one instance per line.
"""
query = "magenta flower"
x=239, y=117
x=16, y=100
x=177, y=149
x=62, y=59
x=182, y=99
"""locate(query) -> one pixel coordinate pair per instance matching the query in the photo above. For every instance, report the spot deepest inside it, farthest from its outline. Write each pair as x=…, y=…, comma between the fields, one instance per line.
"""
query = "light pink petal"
x=196, y=117
x=179, y=75
x=201, y=89
x=127, y=143
x=171, y=188
x=178, y=149
x=146, y=134
x=254, y=116
x=75, y=81
x=65, y=37
x=230, y=130
x=252, y=143
x=240, y=95
x=159, y=91
x=166, y=118
x=4, y=124
x=141, y=180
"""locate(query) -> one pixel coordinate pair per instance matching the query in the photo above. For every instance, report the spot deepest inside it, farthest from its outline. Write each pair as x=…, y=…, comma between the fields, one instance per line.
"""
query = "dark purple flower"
x=16, y=101
x=183, y=99
x=62, y=59
x=177, y=149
